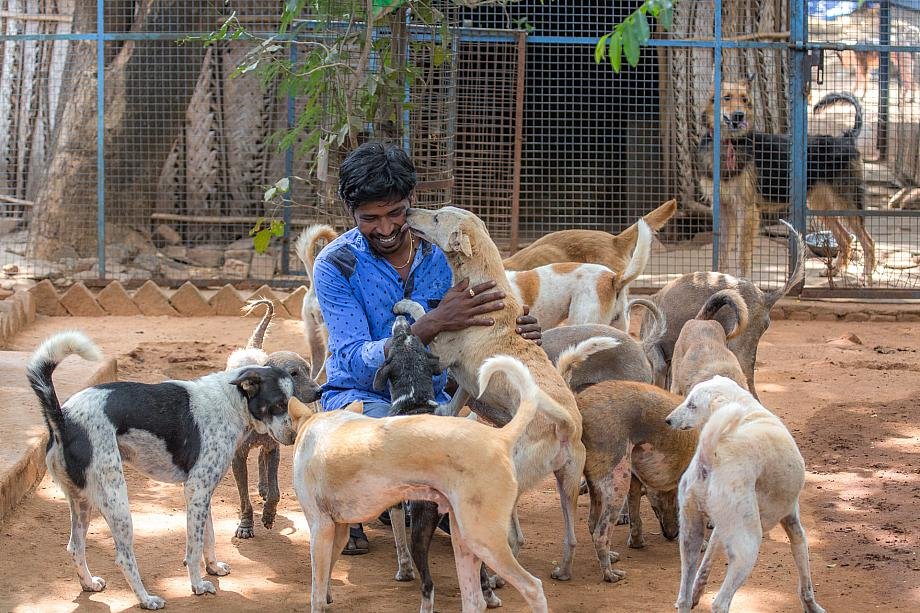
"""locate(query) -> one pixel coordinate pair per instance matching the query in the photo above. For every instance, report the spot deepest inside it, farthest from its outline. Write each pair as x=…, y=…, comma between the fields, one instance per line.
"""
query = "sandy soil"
x=851, y=407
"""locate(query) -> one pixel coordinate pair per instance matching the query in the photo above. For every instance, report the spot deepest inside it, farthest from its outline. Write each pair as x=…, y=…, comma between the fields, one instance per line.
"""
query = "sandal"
x=357, y=542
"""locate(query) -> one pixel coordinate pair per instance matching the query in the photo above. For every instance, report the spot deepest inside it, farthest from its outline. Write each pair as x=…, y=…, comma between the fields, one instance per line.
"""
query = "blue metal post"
x=100, y=136
x=289, y=173
x=407, y=95
x=717, y=135
x=800, y=72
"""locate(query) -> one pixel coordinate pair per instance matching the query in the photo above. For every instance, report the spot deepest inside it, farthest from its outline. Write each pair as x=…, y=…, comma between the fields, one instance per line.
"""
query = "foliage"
x=633, y=32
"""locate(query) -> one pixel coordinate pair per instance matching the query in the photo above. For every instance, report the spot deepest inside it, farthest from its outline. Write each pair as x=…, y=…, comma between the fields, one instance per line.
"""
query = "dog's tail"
x=409, y=307
x=733, y=299
x=258, y=335
x=45, y=359
x=305, y=247
x=722, y=423
x=655, y=220
x=531, y=397
x=657, y=331
x=575, y=356
x=798, y=273
x=640, y=256
x=847, y=98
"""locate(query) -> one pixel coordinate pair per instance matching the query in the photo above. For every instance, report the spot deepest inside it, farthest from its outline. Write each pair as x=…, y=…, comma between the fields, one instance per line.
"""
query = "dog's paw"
x=205, y=587
x=244, y=532
x=405, y=574
x=218, y=569
x=612, y=575
x=613, y=556
x=492, y=601
x=637, y=542
x=152, y=602
x=96, y=585
x=560, y=575
x=268, y=519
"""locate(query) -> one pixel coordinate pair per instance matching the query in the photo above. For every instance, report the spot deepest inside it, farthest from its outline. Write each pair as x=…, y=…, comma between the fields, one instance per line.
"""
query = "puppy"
x=588, y=246
x=175, y=432
x=314, y=326
x=629, y=446
x=701, y=352
x=305, y=390
x=681, y=300
x=745, y=477
x=589, y=354
x=755, y=176
x=582, y=293
x=348, y=468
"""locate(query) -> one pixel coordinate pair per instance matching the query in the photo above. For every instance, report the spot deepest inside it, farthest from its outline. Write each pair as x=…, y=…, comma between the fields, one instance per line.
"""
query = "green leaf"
x=599, y=48
x=261, y=239
x=270, y=193
x=615, y=51
x=642, y=30
x=666, y=17
x=631, y=45
x=277, y=227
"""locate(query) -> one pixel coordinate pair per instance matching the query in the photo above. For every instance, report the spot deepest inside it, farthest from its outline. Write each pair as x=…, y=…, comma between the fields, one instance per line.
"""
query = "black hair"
x=376, y=172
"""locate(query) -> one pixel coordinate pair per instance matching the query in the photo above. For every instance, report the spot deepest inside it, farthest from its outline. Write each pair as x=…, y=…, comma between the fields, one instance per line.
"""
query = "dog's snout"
x=737, y=117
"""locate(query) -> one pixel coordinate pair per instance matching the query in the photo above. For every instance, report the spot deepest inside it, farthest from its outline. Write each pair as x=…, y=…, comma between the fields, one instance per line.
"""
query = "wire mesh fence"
x=533, y=136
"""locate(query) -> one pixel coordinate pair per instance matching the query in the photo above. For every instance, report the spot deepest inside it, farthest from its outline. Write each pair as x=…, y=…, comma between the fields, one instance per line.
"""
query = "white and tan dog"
x=348, y=468
x=314, y=326
x=582, y=293
x=548, y=446
x=745, y=476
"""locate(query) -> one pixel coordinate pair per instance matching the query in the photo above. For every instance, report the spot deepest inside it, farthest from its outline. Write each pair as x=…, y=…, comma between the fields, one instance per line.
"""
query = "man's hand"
x=461, y=308
x=528, y=327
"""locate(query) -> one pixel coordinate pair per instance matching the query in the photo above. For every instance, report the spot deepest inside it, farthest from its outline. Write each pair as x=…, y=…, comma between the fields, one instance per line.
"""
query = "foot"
x=205, y=587
x=492, y=601
x=357, y=542
x=218, y=569
x=152, y=602
x=636, y=542
x=622, y=519
x=268, y=517
x=97, y=584
x=244, y=530
x=559, y=575
x=612, y=575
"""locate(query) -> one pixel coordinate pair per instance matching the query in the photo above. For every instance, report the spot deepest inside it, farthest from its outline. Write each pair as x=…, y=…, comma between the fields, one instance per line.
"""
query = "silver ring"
x=472, y=293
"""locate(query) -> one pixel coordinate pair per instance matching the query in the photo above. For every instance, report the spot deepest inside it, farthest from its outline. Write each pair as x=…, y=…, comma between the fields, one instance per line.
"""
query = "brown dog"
x=624, y=427
x=548, y=446
x=863, y=62
x=701, y=352
x=588, y=246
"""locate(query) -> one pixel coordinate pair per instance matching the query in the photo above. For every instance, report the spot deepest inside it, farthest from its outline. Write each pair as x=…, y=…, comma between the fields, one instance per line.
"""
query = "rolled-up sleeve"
x=349, y=332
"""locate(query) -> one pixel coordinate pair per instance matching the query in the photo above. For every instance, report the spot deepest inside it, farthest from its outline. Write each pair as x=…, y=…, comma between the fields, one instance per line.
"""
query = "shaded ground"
x=852, y=408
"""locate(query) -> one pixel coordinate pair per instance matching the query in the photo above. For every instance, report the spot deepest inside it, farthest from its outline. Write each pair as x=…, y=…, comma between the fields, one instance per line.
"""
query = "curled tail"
x=658, y=328
x=733, y=299
x=305, y=247
x=531, y=397
x=798, y=272
x=640, y=256
x=721, y=424
x=655, y=219
x=258, y=335
x=575, y=356
x=45, y=359
x=847, y=98
x=409, y=307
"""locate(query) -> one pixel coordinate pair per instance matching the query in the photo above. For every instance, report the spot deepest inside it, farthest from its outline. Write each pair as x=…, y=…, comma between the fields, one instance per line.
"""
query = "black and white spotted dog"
x=175, y=432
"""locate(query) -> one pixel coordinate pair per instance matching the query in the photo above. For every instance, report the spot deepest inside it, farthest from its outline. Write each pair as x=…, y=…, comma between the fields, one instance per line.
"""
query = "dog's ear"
x=459, y=241
x=749, y=80
x=356, y=407
x=297, y=409
x=383, y=375
x=435, y=364
x=248, y=382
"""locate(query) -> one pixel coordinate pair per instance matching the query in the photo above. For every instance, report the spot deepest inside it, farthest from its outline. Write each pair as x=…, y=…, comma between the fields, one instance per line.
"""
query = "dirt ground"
x=852, y=408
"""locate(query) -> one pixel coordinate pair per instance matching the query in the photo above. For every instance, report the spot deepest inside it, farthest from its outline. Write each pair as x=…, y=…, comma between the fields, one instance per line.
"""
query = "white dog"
x=745, y=477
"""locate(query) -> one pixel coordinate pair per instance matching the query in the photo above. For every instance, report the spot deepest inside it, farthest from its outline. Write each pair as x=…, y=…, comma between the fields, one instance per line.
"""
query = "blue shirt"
x=356, y=290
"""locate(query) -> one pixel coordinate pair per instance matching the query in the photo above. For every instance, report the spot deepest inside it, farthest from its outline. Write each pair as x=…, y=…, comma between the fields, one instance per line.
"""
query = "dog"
x=314, y=326
x=755, y=176
x=629, y=447
x=861, y=63
x=701, y=351
x=681, y=300
x=588, y=246
x=548, y=445
x=588, y=354
x=582, y=293
x=745, y=476
x=175, y=432
x=305, y=389
x=348, y=468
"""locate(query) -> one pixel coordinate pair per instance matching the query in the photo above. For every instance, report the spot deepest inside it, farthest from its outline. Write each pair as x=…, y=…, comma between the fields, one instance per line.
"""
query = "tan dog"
x=589, y=246
x=349, y=468
x=582, y=293
x=745, y=477
x=701, y=350
x=547, y=445
x=314, y=326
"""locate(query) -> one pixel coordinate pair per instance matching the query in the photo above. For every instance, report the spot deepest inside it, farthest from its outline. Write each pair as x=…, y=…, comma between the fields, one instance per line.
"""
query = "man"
x=364, y=272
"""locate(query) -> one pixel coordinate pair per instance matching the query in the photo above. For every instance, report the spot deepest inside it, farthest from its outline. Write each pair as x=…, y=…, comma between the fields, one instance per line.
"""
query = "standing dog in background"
x=863, y=62
x=755, y=176
x=314, y=326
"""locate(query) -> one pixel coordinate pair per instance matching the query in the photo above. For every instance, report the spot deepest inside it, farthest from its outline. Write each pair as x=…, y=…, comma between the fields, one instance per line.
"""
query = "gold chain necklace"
x=411, y=253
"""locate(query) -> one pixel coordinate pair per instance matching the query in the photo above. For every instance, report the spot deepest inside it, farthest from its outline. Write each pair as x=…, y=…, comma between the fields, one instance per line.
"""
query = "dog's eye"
x=294, y=373
x=727, y=98
x=744, y=99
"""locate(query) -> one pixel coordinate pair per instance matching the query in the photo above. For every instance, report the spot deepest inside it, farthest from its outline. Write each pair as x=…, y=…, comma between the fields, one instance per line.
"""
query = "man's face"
x=383, y=224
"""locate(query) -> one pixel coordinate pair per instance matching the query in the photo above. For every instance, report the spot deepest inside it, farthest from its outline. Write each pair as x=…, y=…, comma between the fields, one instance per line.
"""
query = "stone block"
x=166, y=235
x=856, y=316
x=267, y=293
x=46, y=299
x=908, y=316
x=79, y=302
x=234, y=269
x=262, y=266
x=800, y=316
x=115, y=300
x=883, y=317
x=151, y=301
x=208, y=256
x=294, y=302
x=147, y=261
x=825, y=316
x=227, y=301
x=243, y=255
x=28, y=305
x=189, y=302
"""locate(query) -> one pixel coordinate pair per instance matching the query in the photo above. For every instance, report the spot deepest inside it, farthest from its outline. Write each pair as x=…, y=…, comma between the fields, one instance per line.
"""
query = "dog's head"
x=267, y=391
x=737, y=109
x=306, y=389
x=664, y=504
x=408, y=368
x=457, y=232
x=704, y=399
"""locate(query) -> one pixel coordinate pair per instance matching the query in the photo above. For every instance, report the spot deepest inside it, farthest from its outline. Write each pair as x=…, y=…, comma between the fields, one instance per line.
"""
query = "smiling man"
x=360, y=276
